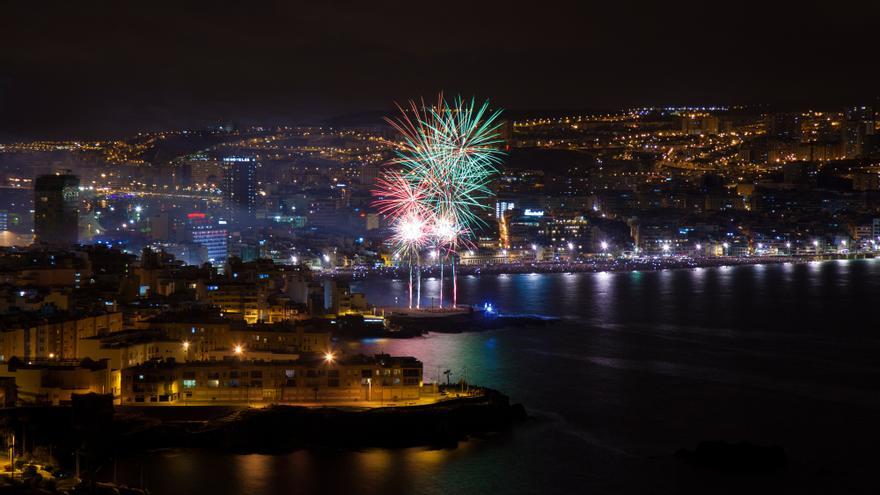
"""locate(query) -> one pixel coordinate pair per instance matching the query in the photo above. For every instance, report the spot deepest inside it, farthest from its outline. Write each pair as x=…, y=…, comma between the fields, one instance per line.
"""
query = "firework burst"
x=443, y=169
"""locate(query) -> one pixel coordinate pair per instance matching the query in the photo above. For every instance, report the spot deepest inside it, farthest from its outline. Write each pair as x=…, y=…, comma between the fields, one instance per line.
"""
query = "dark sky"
x=93, y=68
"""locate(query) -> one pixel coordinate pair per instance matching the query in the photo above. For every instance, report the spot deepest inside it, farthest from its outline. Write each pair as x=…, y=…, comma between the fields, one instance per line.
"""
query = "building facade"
x=375, y=379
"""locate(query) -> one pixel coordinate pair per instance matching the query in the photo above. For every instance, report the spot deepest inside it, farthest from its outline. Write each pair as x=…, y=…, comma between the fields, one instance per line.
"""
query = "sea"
x=640, y=365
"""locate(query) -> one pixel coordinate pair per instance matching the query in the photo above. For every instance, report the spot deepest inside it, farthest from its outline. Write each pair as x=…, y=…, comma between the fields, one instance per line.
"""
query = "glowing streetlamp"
x=604, y=246
x=238, y=349
x=329, y=357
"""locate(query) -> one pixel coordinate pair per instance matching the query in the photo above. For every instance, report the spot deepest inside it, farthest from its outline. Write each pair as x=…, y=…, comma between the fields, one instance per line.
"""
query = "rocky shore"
x=278, y=429
x=98, y=432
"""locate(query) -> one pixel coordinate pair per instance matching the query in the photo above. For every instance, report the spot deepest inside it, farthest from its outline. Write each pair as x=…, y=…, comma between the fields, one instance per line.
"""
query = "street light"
x=238, y=349
x=604, y=245
x=329, y=357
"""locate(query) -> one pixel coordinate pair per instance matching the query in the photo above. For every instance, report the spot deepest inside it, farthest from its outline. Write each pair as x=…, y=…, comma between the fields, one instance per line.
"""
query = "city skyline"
x=452, y=247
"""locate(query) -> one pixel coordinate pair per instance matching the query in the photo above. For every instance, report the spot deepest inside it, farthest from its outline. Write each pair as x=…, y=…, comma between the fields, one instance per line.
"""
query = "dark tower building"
x=239, y=188
x=56, y=209
x=859, y=127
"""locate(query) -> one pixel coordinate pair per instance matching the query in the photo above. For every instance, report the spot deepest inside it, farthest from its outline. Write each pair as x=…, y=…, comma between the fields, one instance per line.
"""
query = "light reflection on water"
x=643, y=364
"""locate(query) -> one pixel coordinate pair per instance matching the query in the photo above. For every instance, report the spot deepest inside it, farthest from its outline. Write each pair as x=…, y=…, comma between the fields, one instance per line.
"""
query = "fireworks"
x=446, y=162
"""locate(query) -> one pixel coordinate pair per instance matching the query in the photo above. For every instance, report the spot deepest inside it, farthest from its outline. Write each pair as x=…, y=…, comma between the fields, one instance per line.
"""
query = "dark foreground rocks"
x=285, y=428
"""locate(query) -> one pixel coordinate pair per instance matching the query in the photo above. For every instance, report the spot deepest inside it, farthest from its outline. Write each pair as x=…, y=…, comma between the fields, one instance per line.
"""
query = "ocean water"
x=641, y=364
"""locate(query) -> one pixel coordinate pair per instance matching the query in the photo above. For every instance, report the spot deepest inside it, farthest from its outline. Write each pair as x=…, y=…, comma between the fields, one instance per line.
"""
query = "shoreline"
x=287, y=428
x=616, y=265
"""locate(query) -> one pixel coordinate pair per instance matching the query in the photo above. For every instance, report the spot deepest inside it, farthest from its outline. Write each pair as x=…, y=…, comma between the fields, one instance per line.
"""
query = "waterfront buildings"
x=321, y=378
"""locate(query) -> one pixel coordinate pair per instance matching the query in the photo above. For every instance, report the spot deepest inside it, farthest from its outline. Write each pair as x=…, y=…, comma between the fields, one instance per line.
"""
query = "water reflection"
x=644, y=364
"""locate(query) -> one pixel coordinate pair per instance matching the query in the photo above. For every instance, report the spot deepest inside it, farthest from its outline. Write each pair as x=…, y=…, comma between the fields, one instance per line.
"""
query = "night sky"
x=89, y=69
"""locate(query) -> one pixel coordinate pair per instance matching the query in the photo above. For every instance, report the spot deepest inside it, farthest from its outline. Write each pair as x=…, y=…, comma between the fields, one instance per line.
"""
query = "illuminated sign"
x=533, y=213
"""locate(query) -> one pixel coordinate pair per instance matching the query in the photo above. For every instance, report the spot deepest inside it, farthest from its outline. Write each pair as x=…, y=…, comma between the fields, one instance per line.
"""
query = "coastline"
x=593, y=266
x=285, y=428
x=273, y=428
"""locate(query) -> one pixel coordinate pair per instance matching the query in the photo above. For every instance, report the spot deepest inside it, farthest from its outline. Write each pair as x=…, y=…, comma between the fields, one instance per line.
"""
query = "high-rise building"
x=859, y=123
x=210, y=234
x=239, y=187
x=56, y=208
